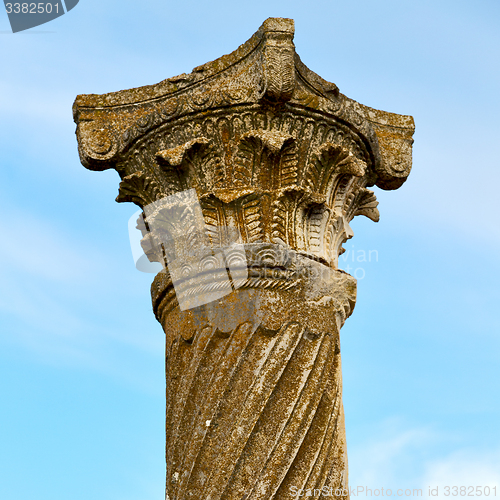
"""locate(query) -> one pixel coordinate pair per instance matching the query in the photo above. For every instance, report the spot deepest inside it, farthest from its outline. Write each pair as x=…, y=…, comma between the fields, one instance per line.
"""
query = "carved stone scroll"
x=249, y=171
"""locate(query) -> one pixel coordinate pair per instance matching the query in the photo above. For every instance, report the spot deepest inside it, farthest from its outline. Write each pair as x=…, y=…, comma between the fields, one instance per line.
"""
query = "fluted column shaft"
x=254, y=391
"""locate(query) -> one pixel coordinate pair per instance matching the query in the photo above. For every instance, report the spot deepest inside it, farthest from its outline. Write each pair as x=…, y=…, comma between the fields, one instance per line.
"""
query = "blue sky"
x=81, y=355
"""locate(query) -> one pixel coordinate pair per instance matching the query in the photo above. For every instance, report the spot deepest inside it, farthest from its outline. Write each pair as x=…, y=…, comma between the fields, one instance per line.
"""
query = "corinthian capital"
x=266, y=147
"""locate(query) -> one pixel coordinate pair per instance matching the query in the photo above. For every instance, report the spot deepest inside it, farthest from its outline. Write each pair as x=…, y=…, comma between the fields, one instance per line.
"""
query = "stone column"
x=248, y=171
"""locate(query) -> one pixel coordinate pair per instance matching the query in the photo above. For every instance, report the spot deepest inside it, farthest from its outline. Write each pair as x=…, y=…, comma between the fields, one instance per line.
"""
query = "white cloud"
x=468, y=467
x=391, y=458
x=414, y=459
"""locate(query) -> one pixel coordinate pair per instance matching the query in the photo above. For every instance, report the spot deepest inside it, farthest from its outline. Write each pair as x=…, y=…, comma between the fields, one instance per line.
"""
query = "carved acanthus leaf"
x=345, y=162
x=229, y=195
x=139, y=188
x=254, y=151
x=337, y=233
x=288, y=167
x=288, y=212
x=367, y=205
x=175, y=157
x=177, y=224
x=251, y=211
x=272, y=140
x=213, y=215
x=318, y=216
x=330, y=161
x=279, y=226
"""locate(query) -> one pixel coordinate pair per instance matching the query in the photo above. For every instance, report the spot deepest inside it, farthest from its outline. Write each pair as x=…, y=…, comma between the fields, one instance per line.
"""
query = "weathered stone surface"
x=280, y=156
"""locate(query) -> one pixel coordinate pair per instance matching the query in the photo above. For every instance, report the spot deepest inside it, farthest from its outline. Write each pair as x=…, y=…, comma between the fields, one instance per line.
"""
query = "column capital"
x=263, y=140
